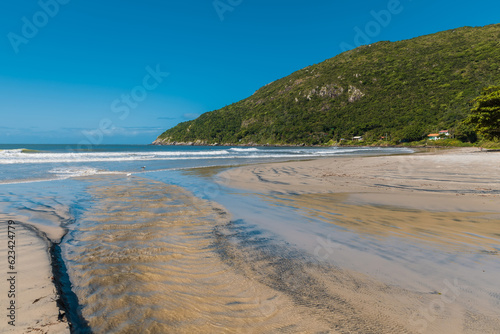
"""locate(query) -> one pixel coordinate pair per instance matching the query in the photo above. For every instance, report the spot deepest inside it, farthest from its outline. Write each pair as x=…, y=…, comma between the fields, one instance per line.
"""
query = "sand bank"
x=35, y=294
x=448, y=180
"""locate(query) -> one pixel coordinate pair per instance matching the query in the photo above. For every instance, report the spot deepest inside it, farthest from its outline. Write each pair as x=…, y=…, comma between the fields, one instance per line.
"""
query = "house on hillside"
x=441, y=135
x=433, y=136
x=357, y=138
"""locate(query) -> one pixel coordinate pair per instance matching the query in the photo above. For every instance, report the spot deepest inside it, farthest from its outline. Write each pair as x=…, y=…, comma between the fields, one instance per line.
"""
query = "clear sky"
x=123, y=71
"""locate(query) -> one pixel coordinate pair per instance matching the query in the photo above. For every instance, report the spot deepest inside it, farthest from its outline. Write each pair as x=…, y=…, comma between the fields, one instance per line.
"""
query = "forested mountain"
x=405, y=89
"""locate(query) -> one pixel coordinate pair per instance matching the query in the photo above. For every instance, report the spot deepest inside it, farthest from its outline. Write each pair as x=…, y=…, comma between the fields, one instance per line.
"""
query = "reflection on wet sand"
x=419, y=251
x=461, y=231
x=344, y=301
x=143, y=260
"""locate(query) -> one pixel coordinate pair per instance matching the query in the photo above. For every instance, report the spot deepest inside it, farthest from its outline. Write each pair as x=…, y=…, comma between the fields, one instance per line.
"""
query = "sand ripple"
x=143, y=260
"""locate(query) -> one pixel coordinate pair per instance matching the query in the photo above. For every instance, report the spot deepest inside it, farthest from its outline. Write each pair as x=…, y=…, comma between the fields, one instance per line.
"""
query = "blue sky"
x=122, y=71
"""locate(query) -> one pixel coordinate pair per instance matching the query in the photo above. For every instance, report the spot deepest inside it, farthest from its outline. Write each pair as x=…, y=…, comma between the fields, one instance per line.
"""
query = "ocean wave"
x=12, y=151
x=17, y=151
x=73, y=172
x=252, y=149
x=18, y=157
x=69, y=172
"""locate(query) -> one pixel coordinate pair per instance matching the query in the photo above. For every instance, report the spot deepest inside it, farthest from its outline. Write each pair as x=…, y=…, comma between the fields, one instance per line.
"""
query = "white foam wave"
x=69, y=172
x=18, y=157
x=73, y=172
x=12, y=151
x=252, y=149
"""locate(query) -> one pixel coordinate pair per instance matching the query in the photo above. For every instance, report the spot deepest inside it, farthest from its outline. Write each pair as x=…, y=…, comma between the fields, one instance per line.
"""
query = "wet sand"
x=425, y=227
x=447, y=180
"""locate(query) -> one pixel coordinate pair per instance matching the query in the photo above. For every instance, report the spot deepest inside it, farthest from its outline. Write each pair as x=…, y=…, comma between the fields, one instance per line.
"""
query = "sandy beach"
x=447, y=180
x=444, y=204
x=384, y=244
x=35, y=295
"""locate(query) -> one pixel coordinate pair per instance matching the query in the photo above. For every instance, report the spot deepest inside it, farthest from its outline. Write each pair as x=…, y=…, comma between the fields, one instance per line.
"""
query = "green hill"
x=404, y=89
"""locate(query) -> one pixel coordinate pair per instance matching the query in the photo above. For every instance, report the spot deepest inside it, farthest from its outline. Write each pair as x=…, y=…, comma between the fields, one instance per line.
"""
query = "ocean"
x=150, y=243
x=28, y=163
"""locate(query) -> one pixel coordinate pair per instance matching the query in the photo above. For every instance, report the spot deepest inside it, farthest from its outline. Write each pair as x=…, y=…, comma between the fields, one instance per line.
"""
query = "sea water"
x=27, y=163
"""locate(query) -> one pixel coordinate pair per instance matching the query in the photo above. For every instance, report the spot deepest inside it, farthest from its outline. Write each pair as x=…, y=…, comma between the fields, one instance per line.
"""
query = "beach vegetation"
x=485, y=113
x=490, y=144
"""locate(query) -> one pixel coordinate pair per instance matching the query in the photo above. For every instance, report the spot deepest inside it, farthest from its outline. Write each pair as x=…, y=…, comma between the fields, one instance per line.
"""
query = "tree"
x=413, y=132
x=485, y=113
x=465, y=133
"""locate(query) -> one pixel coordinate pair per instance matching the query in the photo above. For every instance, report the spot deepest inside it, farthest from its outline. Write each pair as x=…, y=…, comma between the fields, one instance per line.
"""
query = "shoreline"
x=464, y=172
x=205, y=144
